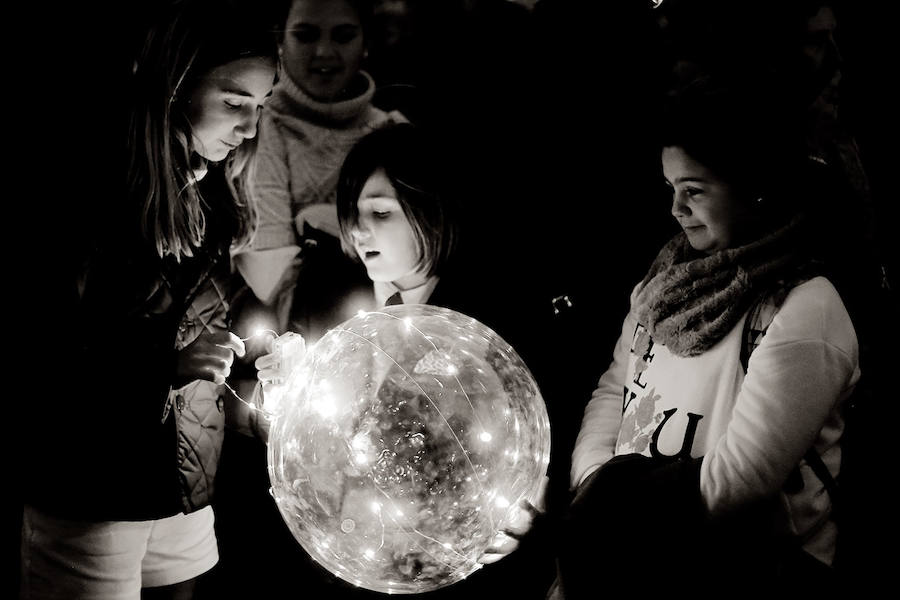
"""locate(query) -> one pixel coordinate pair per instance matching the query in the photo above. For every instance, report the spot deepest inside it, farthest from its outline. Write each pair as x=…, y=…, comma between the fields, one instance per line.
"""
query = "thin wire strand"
x=252, y=406
x=258, y=333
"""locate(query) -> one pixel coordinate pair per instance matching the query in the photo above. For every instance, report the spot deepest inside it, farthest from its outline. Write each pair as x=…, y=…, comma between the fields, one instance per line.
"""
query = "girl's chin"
x=403, y=281
x=378, y=277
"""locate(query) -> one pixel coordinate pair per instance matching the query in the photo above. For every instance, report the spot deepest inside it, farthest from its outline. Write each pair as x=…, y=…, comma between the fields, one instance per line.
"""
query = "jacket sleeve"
x=596, y=442
x=625, y=521
x=805, y=366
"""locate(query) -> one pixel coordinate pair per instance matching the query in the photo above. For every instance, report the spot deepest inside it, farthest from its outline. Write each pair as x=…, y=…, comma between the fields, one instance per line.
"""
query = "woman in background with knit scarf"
x=321, y=106
x=689, y=467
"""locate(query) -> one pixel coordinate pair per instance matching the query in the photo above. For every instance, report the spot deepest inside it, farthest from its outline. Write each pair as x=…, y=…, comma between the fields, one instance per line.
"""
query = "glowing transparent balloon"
x=403, y=445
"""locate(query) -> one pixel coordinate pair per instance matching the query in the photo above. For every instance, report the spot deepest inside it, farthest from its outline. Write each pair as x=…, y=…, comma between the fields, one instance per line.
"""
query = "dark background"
x=546, y=115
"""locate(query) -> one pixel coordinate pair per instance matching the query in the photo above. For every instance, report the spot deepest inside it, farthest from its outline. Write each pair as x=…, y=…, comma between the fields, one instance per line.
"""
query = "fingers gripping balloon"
x=288, y=349
x=403, y=443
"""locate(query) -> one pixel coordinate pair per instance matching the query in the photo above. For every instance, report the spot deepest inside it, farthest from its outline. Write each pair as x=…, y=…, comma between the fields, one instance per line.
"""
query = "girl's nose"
x=679, y=205
x=324, y=48
x=246, y=128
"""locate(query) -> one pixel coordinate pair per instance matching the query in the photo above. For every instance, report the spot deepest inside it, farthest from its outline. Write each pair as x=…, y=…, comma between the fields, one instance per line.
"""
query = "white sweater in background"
x=302, y=145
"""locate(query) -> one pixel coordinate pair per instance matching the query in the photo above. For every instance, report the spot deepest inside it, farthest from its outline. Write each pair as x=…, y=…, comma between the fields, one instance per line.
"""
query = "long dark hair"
x=189, y=38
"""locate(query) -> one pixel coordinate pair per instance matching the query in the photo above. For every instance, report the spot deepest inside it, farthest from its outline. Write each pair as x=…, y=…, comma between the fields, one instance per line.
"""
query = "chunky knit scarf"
x=688, y=301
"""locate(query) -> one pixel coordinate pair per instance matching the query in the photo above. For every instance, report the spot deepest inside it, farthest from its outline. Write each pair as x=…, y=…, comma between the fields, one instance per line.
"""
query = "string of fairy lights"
x=256, y=334
x=370, y=526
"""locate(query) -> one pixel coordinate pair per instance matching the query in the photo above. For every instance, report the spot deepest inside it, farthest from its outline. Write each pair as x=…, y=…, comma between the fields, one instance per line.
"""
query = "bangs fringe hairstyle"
x=411, y=164
x=191, y=38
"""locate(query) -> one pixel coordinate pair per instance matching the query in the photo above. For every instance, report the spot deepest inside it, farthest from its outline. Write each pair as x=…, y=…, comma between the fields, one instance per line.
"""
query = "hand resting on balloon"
x=273, y=370
x=508, y=539
x=285, y=351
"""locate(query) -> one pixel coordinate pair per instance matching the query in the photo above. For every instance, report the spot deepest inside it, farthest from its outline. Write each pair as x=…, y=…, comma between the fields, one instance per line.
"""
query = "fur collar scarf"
x=689, y=301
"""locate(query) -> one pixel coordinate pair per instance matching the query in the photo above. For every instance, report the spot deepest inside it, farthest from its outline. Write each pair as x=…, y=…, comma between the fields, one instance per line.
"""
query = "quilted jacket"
x=197, y=408
x=107, y=436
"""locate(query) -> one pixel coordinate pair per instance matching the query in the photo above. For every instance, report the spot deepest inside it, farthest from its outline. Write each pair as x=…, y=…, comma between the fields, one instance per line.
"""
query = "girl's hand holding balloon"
x=274, y=368
x=508, y=539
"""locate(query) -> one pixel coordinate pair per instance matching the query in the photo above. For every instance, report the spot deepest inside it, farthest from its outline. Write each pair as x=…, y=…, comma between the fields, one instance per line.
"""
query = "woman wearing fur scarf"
x=690, y=467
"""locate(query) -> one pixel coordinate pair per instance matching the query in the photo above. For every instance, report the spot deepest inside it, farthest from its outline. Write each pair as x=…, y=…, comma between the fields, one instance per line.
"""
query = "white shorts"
x=112, y=559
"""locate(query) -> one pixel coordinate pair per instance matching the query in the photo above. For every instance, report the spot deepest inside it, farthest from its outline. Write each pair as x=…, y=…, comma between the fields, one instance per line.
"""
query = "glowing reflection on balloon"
x=385, y=450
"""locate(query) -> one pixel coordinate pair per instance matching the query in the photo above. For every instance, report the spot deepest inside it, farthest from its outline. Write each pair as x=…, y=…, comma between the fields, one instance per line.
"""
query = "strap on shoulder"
x=761, y=314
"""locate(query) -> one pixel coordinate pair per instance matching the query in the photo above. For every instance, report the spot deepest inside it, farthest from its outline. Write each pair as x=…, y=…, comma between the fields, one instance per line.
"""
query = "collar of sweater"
x=288, y=100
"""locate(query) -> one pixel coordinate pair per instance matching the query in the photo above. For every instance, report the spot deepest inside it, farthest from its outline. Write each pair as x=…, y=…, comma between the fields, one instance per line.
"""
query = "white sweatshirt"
x=752, y=430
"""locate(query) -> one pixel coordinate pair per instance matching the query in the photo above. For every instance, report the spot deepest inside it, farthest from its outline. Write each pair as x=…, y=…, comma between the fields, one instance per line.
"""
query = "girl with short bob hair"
x=321, y=106
x=407, y=160
x=397, y=216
